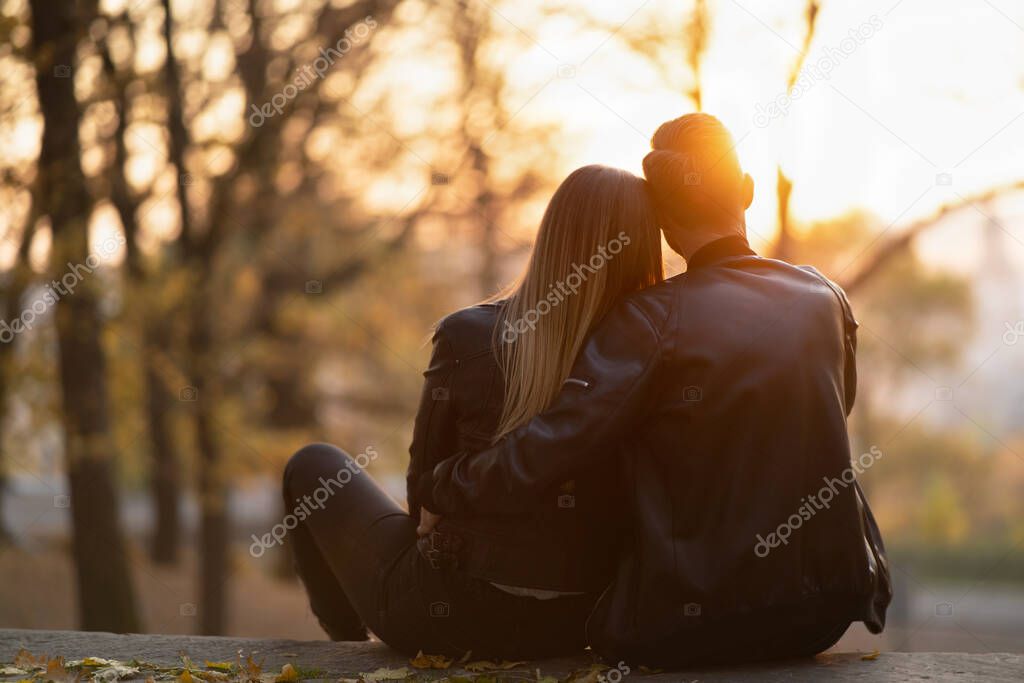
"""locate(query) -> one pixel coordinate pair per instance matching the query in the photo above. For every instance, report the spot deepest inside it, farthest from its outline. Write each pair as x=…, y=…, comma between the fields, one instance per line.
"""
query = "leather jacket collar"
x=713, y=252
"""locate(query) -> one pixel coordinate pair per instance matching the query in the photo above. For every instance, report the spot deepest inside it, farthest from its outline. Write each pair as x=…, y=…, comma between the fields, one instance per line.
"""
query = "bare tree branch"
x=891, y=247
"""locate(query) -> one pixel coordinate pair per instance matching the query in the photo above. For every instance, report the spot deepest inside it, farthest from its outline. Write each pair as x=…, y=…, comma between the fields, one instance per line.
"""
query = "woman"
x=515, y=587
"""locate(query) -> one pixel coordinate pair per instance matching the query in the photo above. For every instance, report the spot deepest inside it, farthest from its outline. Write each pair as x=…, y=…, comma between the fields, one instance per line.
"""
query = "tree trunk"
x=165, y=481
x=106, y=600
x=12, y=299
x=204, y=393
x=212, y=484
x=784, y=242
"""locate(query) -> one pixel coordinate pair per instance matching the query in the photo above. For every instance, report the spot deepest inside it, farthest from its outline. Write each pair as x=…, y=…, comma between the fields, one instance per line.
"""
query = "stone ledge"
x=350, y=659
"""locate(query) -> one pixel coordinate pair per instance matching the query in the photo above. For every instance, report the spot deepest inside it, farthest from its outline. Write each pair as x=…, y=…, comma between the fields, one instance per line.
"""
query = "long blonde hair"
x=598, y=241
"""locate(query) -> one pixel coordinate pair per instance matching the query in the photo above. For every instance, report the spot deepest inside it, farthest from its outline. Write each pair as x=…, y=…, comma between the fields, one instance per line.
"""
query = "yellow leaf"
x=96, y=661
x=870, y=657
x=185, y=677
x=288, y=674
x=422, y=661
x=220, y=666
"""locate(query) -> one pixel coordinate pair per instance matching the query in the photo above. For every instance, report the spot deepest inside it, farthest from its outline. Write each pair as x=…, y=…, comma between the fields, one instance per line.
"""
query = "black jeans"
x=356, y=552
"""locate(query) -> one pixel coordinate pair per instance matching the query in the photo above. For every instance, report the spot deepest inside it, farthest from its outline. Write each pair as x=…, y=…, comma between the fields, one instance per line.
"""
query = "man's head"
x=697, y=183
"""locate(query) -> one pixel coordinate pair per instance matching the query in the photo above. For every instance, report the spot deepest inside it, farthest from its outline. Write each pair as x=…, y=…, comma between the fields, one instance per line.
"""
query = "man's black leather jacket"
x=725, y=392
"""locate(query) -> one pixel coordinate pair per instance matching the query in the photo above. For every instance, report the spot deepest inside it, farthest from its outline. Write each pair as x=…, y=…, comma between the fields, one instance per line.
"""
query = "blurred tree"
x=105, y=594
x=144, y=291
x=783, y=183
x=268, y=69
x=12, y=287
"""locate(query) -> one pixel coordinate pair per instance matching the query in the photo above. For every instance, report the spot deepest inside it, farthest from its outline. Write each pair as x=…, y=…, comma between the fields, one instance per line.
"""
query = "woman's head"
x=598, y=241
x=695, y=177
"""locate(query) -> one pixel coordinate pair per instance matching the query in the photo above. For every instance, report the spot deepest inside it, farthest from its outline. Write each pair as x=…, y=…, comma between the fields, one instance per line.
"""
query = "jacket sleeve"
x=851, y=363
x=434, y=432
x=610, y=389
x=850, y=326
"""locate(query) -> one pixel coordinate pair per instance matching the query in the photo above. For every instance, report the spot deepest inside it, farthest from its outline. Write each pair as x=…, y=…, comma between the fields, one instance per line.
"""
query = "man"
x=726, y=391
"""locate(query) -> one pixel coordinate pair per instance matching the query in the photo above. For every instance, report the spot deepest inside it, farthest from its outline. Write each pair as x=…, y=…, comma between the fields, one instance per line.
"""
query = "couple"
x=604, y=457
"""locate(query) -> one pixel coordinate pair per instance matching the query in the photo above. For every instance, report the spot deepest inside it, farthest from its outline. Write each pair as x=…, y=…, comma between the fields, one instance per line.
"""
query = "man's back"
x=756, y=378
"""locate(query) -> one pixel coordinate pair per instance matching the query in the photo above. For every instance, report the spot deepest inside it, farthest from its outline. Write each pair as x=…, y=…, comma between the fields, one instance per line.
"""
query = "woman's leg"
x=349, y=534
x=356, y=552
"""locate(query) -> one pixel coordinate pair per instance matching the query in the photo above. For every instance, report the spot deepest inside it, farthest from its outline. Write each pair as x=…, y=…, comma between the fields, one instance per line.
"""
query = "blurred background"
x=228, y=226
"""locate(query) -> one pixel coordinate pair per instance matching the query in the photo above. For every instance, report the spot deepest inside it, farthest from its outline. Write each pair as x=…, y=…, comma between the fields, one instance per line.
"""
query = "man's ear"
x=747, y=191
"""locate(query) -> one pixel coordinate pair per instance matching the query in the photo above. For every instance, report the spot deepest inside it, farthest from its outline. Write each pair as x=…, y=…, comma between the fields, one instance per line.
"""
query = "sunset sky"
x=915, y=99
x=936, y=87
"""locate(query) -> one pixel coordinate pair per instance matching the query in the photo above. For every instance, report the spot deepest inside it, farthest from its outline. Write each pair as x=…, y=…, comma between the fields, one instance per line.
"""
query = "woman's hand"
x=428, y=520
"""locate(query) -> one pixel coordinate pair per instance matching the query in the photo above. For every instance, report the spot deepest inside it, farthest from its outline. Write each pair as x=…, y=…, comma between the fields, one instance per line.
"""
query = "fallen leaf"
x=870, y=657
x=249, y=669
x=13, y=671
x=226, y=667
x=115, y=671
x=288, y=674
x=185, y=677
x=385, y=674
x=25, y=660
x=591, y=675
x=422, y=661
x=55, y=671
